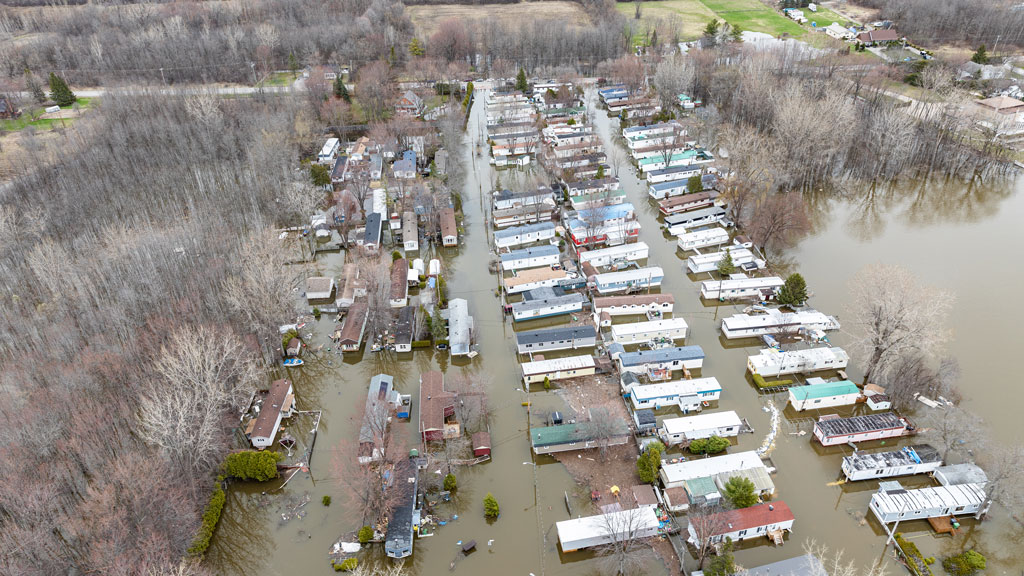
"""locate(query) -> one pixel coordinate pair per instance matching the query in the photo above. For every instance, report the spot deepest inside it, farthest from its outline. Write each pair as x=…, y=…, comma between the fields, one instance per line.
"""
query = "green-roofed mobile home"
x=821, y=394
x=569, y=437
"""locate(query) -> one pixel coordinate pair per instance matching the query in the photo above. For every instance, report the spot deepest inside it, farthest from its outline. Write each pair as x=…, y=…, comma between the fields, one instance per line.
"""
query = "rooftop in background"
x=799, y=566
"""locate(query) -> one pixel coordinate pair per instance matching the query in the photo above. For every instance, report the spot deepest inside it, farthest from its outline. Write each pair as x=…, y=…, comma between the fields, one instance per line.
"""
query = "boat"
x=292, y=362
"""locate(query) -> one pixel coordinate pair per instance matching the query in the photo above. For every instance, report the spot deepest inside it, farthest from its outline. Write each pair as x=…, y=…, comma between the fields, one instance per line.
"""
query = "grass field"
x=824, y=17
x=754, y=16
x=42, y=124
x=427, y=18
x=691, y=15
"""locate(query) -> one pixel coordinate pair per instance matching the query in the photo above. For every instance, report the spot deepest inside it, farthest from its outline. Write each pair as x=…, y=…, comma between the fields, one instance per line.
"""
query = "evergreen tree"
x=34, y=88
x=521, y=84
x=694, y=184
x=711, y=30
x=740, y=492
x=59, y=91
x=320, y=175
x=340, y=90
x=737, y=34
x=794, y=291
x=600, y=172
x=293, y=64
x=649, y=463
x=726, y=266
x=491, y=509
x=654, y=39
x=450, y=482
x=723, y=564
x=415, y=48
x=980, y=55
x=437, y=328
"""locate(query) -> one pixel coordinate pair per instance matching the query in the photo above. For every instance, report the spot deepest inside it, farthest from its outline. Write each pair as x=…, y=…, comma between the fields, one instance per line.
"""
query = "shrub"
x=491, y=509
x=316, y=313
x=395, y=255
x=288, y=337
x=326, y=500
x=421, y=343
x=252, y=465
x=712, y=445
x=965, y=563
x=348, y=565
x=649, y=463
x=547, y=383
x=760, y=382
x=210, y=518
x=365, y=534
x=450, y=483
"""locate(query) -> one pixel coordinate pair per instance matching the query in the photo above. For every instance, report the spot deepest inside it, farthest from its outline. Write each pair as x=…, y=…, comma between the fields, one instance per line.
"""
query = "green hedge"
x=421, y=343
x=760, y=382
x=252, y=465
x=915, y=560
x=210, y=518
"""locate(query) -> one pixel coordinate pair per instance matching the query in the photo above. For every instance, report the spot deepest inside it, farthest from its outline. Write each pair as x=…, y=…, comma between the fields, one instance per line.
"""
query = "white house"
x=622, y=253
x=769, y=520
x=673, y=475
x=708, y=262
x=550, y=305
x=534, y=257
x=776, y=322
x=558, y=368
x=533, y=278
x=823, y=394
x=918, y=459
x=319, y=287
x=894, y=503
x=761, y=288
x=838, y=31
x=634, y=305
x=689, y=428
x=688, y=395
x=329, y=151
x=629, y=280
x=771, y=362
x=702, y=238
x=832, y=430
x=520, y=235
x=277, y=404
x=410, y=232
x=639, y=332
x=643, y=361
x=590, y=531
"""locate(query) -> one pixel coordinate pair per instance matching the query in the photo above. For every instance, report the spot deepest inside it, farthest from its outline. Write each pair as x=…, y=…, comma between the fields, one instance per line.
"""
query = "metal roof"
x=533, y=252
x=520, y=230
x=528, y=305
x=860, y=424
x=681, y=353
x=556, y=334
x=824, y=390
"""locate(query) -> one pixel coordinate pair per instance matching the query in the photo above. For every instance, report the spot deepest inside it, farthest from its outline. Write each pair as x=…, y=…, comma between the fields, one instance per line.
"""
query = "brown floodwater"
x=963, y=238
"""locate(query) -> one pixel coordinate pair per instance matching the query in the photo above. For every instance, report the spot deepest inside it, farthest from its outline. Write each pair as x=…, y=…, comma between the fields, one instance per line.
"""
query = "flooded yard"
x=960, y=237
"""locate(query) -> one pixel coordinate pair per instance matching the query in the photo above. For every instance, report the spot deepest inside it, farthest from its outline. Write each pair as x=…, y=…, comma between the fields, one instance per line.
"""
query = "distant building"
x=449, y=228
x=352, y=331
x=875, y=37
x=8, y=109
x=409, y=104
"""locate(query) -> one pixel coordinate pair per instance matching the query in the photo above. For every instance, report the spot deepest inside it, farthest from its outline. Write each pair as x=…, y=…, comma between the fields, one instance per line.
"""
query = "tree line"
x=134, y=266
x=952, y=21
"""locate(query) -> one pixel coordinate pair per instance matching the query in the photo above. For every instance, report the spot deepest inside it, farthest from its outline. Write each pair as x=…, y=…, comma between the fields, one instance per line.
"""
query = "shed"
x=965, y=473
x=319, y=288
x=481, y=444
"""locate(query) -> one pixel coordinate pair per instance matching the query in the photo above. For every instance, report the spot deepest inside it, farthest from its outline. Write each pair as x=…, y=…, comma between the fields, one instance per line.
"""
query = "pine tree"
x=437, y=328
x=450, y=482
x=694, y=184
x=726, y=265
x=600, y=172
x=340, y=90
x=293, y=64
x=980, y=55
x=711, y=30
x=59, y=91
x=491, y=509
x=794, y=291
x=737, y=34
x=521, y=84
x=740, y=492
x=414, y=47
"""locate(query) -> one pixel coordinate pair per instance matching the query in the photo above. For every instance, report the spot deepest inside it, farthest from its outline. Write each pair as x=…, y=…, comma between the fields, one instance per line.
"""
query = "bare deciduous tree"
x=204, y=374
x=953, y=430
x=604, y=426
x=1004, y=466
x=706, y=523
x=893, y=315
x=778, y=220
x=672, y=77
x=374, y=89
x=624, y=529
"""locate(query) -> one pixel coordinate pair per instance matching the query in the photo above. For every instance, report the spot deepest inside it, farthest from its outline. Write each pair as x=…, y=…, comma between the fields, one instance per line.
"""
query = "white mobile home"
x=521, y=235
x=919, y=459
x=328, y=152
x=823, y=394
x=833, y=430
x=761, y=288
x=688, y=395
x=689, y=428
x=894, y=503
x=768, y=520
x=606, y=256
x=410, y=232
x=642, y=361
x=552, y=305
x=686, y=202
x=652, y=129
x=776, y=322
x=669, y=329
x=534, y=257
x=676, y=173
x=663, y=190
x=675, y=474
x=629, y=280
x=702, y=238
x=638, y=304
x=679, y=224
x=602, y=529
x=559, y=338
x=771, y=362
x=558, y=368
x=708, y=262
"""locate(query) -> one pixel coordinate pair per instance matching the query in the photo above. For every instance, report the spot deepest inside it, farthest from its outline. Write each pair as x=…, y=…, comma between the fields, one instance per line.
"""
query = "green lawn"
x=823, y=17
x=279, y=79
x=691, y=15
x=754, y=16
x=41, y=124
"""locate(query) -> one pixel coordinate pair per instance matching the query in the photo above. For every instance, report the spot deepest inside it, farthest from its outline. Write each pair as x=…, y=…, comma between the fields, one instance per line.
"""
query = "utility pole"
x=252, y=66
x=162, y=79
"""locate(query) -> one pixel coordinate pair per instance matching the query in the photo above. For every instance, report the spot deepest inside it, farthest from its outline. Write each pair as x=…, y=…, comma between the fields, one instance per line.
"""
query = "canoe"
x=293, y=362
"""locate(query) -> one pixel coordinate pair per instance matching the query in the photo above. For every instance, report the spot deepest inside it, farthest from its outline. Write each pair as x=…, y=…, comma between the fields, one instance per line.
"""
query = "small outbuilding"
x=481, y=444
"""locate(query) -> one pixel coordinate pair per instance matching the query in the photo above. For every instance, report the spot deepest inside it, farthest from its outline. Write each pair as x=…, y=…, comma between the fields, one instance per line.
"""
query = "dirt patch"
x=428, y=18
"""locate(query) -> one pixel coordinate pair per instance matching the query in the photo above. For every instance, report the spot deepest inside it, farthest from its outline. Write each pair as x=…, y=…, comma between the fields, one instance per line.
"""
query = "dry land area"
x=688, y=17
x=428, y=18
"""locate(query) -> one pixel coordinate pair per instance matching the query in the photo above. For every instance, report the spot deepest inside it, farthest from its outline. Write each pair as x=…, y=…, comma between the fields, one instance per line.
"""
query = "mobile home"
x=771, y=362
x=603, y=529
x=277, y=404
x=708, y=262
x=675, y=474
x=676, y=173
x=607, y=256
x=761, y=288
x=558, y=369
x=534, y=257
x=520, y=235
x=533, y=278
x=686, y=202
x=832, y=430
x=669, y=189
x=917, y=459
x=552, y=305
x=894, y=503
x=634, y=305
x=768, y=520
x=703, y=238
x=629, y=280
x=328, y=152
x=678, y=224
x=689, y=428
x=583, y=234
x=823, y=395
x=579, y=436
x=687, y=395
x=410, y=232
x=669, y=329
x=460, y=327
x=640, y=362
x=559, y=338
x=776, y=322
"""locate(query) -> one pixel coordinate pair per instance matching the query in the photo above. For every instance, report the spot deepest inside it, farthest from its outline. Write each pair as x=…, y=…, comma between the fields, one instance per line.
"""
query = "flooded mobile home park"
x=914, y=225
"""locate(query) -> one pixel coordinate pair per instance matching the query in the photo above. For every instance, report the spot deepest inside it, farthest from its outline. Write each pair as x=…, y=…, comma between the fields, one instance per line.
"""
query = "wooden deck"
x=943, y=525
